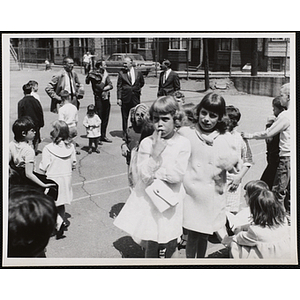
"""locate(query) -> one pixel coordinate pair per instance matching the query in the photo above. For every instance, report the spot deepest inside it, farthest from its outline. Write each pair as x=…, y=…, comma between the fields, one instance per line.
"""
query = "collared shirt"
x=167, y=73
x=69, y=83
x=281, y=125
x=132, y=75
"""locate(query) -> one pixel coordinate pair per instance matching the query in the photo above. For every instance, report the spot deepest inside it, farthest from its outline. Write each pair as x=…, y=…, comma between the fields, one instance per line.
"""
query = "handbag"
x=161, y=195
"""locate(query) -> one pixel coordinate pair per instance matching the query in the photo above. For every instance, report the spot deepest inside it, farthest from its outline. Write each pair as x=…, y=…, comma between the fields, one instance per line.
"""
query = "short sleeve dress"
x=57, y=162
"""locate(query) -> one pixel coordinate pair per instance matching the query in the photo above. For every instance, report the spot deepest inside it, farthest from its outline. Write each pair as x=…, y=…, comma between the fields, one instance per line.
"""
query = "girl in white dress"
x=212, y=154
x=58, y=161
x=92, y=124
x=163, y=155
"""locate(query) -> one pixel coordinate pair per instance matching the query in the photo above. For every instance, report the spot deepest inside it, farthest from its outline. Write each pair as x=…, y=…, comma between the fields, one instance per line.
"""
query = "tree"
x=206, y=63
x=254, y=58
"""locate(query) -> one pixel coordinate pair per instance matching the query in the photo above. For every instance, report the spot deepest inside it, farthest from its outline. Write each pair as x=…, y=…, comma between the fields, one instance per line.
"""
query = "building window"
x=178, y=43
x=224, y=44
x=276, y=64
x=64, y=48
x=142, y=43
x=278, y=39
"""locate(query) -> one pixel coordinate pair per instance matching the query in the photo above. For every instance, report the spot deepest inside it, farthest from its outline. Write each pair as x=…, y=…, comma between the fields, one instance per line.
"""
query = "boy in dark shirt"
x=30, y=106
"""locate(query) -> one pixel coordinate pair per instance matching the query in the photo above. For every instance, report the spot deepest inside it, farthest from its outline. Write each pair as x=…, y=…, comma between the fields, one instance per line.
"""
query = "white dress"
x=262, y=242
x=139, y=217
x=58, y=160
x=205, y=179
x=92, y=125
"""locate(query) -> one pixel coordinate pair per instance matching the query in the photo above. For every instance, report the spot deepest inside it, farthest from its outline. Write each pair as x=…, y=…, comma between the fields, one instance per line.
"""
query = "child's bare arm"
x=29, y=174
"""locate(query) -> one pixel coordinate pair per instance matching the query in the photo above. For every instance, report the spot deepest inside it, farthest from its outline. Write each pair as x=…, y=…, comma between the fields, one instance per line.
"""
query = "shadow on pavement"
x=115, y=209
x=116, y=133
x=129, y=248
x=126, y=245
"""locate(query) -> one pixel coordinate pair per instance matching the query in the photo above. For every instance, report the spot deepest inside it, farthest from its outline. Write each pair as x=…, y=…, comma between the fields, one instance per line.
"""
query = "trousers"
x=103, y=111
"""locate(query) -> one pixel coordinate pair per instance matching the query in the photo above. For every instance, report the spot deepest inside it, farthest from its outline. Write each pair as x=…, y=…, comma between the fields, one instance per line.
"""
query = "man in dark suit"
x=168, y=80
x=129, y=85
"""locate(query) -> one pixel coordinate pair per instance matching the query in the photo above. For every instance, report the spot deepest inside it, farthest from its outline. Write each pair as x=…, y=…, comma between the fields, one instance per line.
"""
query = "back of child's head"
x=91, y=109
x=64, y=95
x=234, y=116
x=215, y=103
x=32, y=83
x=265, y=209
x=27, y=88
x=60, y=132
x=277, y=102
x=255, y=186
x=189, y=112
x=20, y=126
x=167, y=105
x=31, y=221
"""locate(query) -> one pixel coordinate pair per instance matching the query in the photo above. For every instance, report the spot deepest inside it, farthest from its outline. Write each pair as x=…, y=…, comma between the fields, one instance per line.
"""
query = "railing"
x=13, y=53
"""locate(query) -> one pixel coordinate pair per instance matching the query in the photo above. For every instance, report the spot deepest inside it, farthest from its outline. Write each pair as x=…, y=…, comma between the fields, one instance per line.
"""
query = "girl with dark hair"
x=212, y=155
x=268, y=235
x=58, y=161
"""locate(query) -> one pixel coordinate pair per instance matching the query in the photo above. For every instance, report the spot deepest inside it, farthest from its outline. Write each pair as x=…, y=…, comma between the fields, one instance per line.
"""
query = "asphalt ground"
x=100, y=180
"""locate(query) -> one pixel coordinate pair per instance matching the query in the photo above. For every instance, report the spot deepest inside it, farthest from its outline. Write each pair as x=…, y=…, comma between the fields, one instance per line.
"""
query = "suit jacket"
x=126, y=91
x=57, y=84
x=95, y=77
x=171, y=85
x=29, y=106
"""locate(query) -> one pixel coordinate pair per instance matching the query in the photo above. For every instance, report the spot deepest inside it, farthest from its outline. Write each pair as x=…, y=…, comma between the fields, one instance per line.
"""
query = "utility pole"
x=206, y=63
x=230, y=57
x=254, y=58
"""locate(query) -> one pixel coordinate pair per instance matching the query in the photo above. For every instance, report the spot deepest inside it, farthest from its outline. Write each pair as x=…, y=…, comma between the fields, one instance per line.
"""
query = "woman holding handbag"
x=163, y=158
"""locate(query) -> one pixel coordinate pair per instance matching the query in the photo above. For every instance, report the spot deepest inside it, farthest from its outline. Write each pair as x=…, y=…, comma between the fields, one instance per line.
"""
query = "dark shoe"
x=105, y=139
x=90, y=151
x=60, y=232
x=181, y=244
x=97, y=151
x=66, y=223
x=100, y=143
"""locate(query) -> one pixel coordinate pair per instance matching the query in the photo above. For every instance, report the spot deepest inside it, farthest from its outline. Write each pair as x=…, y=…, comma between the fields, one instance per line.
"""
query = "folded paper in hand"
x=161, y=195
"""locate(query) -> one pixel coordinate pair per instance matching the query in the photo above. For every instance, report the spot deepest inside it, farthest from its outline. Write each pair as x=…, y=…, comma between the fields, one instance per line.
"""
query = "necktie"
x=71, y=86
x=129, y=76
x=164, y=77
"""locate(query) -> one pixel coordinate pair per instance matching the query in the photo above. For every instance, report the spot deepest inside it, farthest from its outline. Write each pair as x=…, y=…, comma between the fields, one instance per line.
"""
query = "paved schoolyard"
x=100, y=180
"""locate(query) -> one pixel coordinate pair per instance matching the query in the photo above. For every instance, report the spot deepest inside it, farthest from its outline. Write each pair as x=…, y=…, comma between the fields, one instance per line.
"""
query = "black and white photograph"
x=149, y=149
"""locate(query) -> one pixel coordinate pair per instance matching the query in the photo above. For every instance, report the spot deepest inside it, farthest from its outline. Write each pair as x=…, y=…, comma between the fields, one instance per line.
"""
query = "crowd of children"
x=185, y=163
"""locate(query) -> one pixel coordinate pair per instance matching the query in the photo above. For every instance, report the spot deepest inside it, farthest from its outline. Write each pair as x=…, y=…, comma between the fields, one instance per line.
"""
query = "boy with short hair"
x=68, y=112
x=34, y=88
x=22, y=156
x=30, y=106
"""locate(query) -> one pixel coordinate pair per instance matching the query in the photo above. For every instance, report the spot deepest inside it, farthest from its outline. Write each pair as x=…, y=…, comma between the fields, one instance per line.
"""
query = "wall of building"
x=264, y=86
